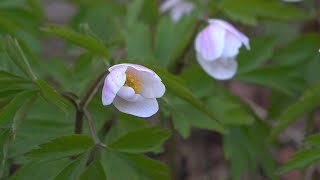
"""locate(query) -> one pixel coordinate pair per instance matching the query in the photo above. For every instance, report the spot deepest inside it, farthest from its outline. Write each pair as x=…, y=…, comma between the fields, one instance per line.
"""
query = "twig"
x=92, y=129
x=93, y=90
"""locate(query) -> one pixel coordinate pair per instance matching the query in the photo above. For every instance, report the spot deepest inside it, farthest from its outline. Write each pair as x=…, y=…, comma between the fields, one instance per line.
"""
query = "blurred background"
x=284, y=61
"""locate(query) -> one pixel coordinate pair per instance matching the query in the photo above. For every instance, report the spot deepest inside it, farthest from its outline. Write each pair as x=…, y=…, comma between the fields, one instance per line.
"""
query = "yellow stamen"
x=133, y=82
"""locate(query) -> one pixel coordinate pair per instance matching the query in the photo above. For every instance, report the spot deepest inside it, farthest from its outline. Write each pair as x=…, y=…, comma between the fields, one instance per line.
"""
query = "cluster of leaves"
x=37, y=123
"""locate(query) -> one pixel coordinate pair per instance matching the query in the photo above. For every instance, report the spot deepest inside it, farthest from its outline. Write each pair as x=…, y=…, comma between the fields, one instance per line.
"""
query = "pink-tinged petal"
x=210, y=42
x=233, y=44
x=143, y=108
x=134, y=66
x=127, y=93
x=181, y=9
x=112, y=84
x=221, y=69
x=230, y=28
x=151, y=86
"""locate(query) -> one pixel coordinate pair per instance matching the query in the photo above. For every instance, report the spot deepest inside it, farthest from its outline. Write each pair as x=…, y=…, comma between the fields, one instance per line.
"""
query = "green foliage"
x=308, y=101
x=248, y=11
x=83, y=40
x=135, y=166
x=62, y=147
x=36, y=134
x=184, y=93
x=131, y=142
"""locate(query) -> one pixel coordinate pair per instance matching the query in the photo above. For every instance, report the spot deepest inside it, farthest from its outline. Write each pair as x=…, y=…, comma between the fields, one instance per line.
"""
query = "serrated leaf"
x=300, y=50
x=172, y=38
x=309, y=100
x=17, y=55
x=261, y=49
x=8, y=113
x=313, y=140
x=141, y=141
x=64, y=146
x=247, y=11
x=184, y=93
x=94, y=171
x=51, y=95
x=280, y=78
x=301, y=159
x=83, y=40
x=74, y=169
x=135, y=166
x=39, y=170
x=229, y=111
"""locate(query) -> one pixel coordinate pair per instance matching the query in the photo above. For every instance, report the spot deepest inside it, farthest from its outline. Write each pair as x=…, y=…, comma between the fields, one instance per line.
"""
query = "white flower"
x=177, y=8
x=133, y=89
x=217, y=46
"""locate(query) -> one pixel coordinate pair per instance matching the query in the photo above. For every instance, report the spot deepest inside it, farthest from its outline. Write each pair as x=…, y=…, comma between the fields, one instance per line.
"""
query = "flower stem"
x=82, y=111
x=92, y=129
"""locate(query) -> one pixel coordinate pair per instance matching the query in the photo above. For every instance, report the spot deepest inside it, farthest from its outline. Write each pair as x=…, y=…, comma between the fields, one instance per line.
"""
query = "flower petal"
x=112, y=84
x=181, y=9
x=127, y=93
x=232, y=46
x=151, y=86
x=210, y=42
x=221, y=69
x=230, y=28
x=134, y=66
x=143, y=108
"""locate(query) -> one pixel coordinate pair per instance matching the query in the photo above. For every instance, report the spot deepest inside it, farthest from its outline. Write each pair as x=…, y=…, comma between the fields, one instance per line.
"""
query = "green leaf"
x=313, y=140
x=172, y=38
x=133, y=11
x=279, y=78
x=64, y=146
x=94, y=171
x=301, y=159
x=16, y=53
x=126, y=123
x=138, y=42
x=229, y=112
x=74, y=169
x=184, y=93
x=51, y=95
x=83, y=40
x=132, y=141
x=261, y=49
x=120, y=166
x=300, y=50
x=308, y=101
x=40, y=170
x=9, y=112
x=247, y=11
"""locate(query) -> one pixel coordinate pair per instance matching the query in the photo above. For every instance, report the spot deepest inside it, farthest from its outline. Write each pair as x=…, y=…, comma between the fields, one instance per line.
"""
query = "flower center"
x=133, y=82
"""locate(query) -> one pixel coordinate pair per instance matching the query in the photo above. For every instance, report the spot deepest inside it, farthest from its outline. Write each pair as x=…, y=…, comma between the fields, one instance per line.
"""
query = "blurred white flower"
x=177, y=8
x=217, y=46
x=133, y=89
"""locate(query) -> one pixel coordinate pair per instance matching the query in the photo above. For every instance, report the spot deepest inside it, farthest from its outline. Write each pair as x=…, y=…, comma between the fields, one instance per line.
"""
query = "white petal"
x=144, y=108
x=151, y=86
x=134, y=66
x=231, y=48
x=210, y=42
x=112, y=84
x=230, y=28
x=127, y=93
x=181, y=9
x=221, y=69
